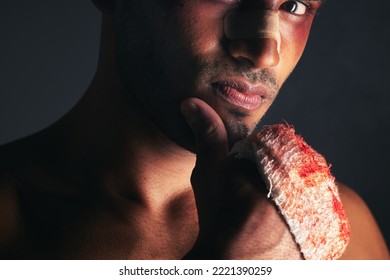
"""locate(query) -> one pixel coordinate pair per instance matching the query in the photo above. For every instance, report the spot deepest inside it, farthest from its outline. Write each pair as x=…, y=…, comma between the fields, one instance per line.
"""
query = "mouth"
x=241, y=94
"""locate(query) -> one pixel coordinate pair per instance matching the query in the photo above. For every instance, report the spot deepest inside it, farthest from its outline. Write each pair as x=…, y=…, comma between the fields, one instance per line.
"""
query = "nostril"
x=262, y=53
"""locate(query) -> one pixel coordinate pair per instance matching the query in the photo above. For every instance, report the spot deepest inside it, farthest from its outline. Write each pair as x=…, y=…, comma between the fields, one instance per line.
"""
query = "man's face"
x=169, y=50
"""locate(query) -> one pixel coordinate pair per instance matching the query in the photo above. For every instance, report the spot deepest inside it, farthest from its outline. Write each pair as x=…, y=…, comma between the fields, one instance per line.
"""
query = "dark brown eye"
x=294, y=7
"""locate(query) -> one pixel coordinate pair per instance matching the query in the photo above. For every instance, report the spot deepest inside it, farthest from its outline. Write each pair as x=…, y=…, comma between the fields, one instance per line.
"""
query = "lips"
x=240, y=94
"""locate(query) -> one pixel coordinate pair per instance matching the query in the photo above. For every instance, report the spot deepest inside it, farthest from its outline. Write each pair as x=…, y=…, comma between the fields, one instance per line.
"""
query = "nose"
x=254, y=36
x=260, y=53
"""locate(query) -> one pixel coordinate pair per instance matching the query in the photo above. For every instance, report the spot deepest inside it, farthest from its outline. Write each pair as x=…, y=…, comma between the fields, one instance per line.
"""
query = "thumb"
x=209, y=130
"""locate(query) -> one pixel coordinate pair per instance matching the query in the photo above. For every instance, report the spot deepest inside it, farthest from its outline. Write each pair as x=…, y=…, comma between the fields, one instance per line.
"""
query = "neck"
x=107, y=133
x=112, y=134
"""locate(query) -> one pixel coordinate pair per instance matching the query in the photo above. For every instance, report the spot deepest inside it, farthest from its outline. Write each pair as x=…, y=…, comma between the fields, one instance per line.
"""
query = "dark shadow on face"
x=159, y=71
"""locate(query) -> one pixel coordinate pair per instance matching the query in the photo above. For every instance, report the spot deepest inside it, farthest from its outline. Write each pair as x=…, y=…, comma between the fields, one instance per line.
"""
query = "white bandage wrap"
x=252, y=24
x=299, y=181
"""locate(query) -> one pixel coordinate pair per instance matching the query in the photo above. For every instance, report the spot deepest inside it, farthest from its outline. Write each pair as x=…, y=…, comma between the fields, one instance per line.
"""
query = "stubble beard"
x=153, y=81
x=159, y=99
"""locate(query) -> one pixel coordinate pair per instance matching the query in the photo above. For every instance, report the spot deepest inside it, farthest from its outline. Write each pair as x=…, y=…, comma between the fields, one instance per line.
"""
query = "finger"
x=209, y=130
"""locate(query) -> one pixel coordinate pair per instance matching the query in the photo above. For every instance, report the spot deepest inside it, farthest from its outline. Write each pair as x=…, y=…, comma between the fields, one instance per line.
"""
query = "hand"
x=236, y=219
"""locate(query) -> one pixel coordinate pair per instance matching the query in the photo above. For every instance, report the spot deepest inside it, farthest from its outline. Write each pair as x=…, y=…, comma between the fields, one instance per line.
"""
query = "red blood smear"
x=339, y=209
x=313, y=168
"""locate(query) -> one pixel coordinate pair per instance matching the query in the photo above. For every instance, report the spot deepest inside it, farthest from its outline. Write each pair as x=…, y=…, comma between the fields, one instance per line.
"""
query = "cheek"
x=191, y=38
x=201, y=26
x=294, y=38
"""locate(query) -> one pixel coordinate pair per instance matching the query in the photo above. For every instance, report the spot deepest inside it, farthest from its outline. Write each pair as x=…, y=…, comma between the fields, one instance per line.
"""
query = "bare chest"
x=46, y=226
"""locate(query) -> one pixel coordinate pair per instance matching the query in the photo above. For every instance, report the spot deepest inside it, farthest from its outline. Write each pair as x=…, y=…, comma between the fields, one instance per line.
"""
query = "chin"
x=175, y=128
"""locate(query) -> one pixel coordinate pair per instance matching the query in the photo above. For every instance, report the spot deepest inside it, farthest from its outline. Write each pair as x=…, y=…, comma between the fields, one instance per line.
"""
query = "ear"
x=105, y=6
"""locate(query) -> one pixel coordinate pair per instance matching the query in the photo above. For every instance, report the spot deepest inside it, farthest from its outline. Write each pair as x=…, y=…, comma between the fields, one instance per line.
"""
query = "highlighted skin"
x=301, y=185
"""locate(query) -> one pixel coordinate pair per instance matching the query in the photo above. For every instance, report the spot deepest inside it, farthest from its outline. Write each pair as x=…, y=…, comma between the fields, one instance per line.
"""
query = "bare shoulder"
x=18, y=162
x=9, y=205
x=366, y=240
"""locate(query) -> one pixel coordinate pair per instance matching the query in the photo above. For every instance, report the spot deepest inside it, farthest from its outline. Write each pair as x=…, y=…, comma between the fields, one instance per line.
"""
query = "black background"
x=337, y=98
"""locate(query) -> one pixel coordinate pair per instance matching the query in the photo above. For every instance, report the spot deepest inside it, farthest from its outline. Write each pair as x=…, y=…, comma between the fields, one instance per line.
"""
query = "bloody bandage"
x=301, y=185
x=252, y=24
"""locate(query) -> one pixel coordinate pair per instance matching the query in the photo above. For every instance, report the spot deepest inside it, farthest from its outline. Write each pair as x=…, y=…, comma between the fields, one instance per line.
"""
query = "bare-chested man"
x=172, y=93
